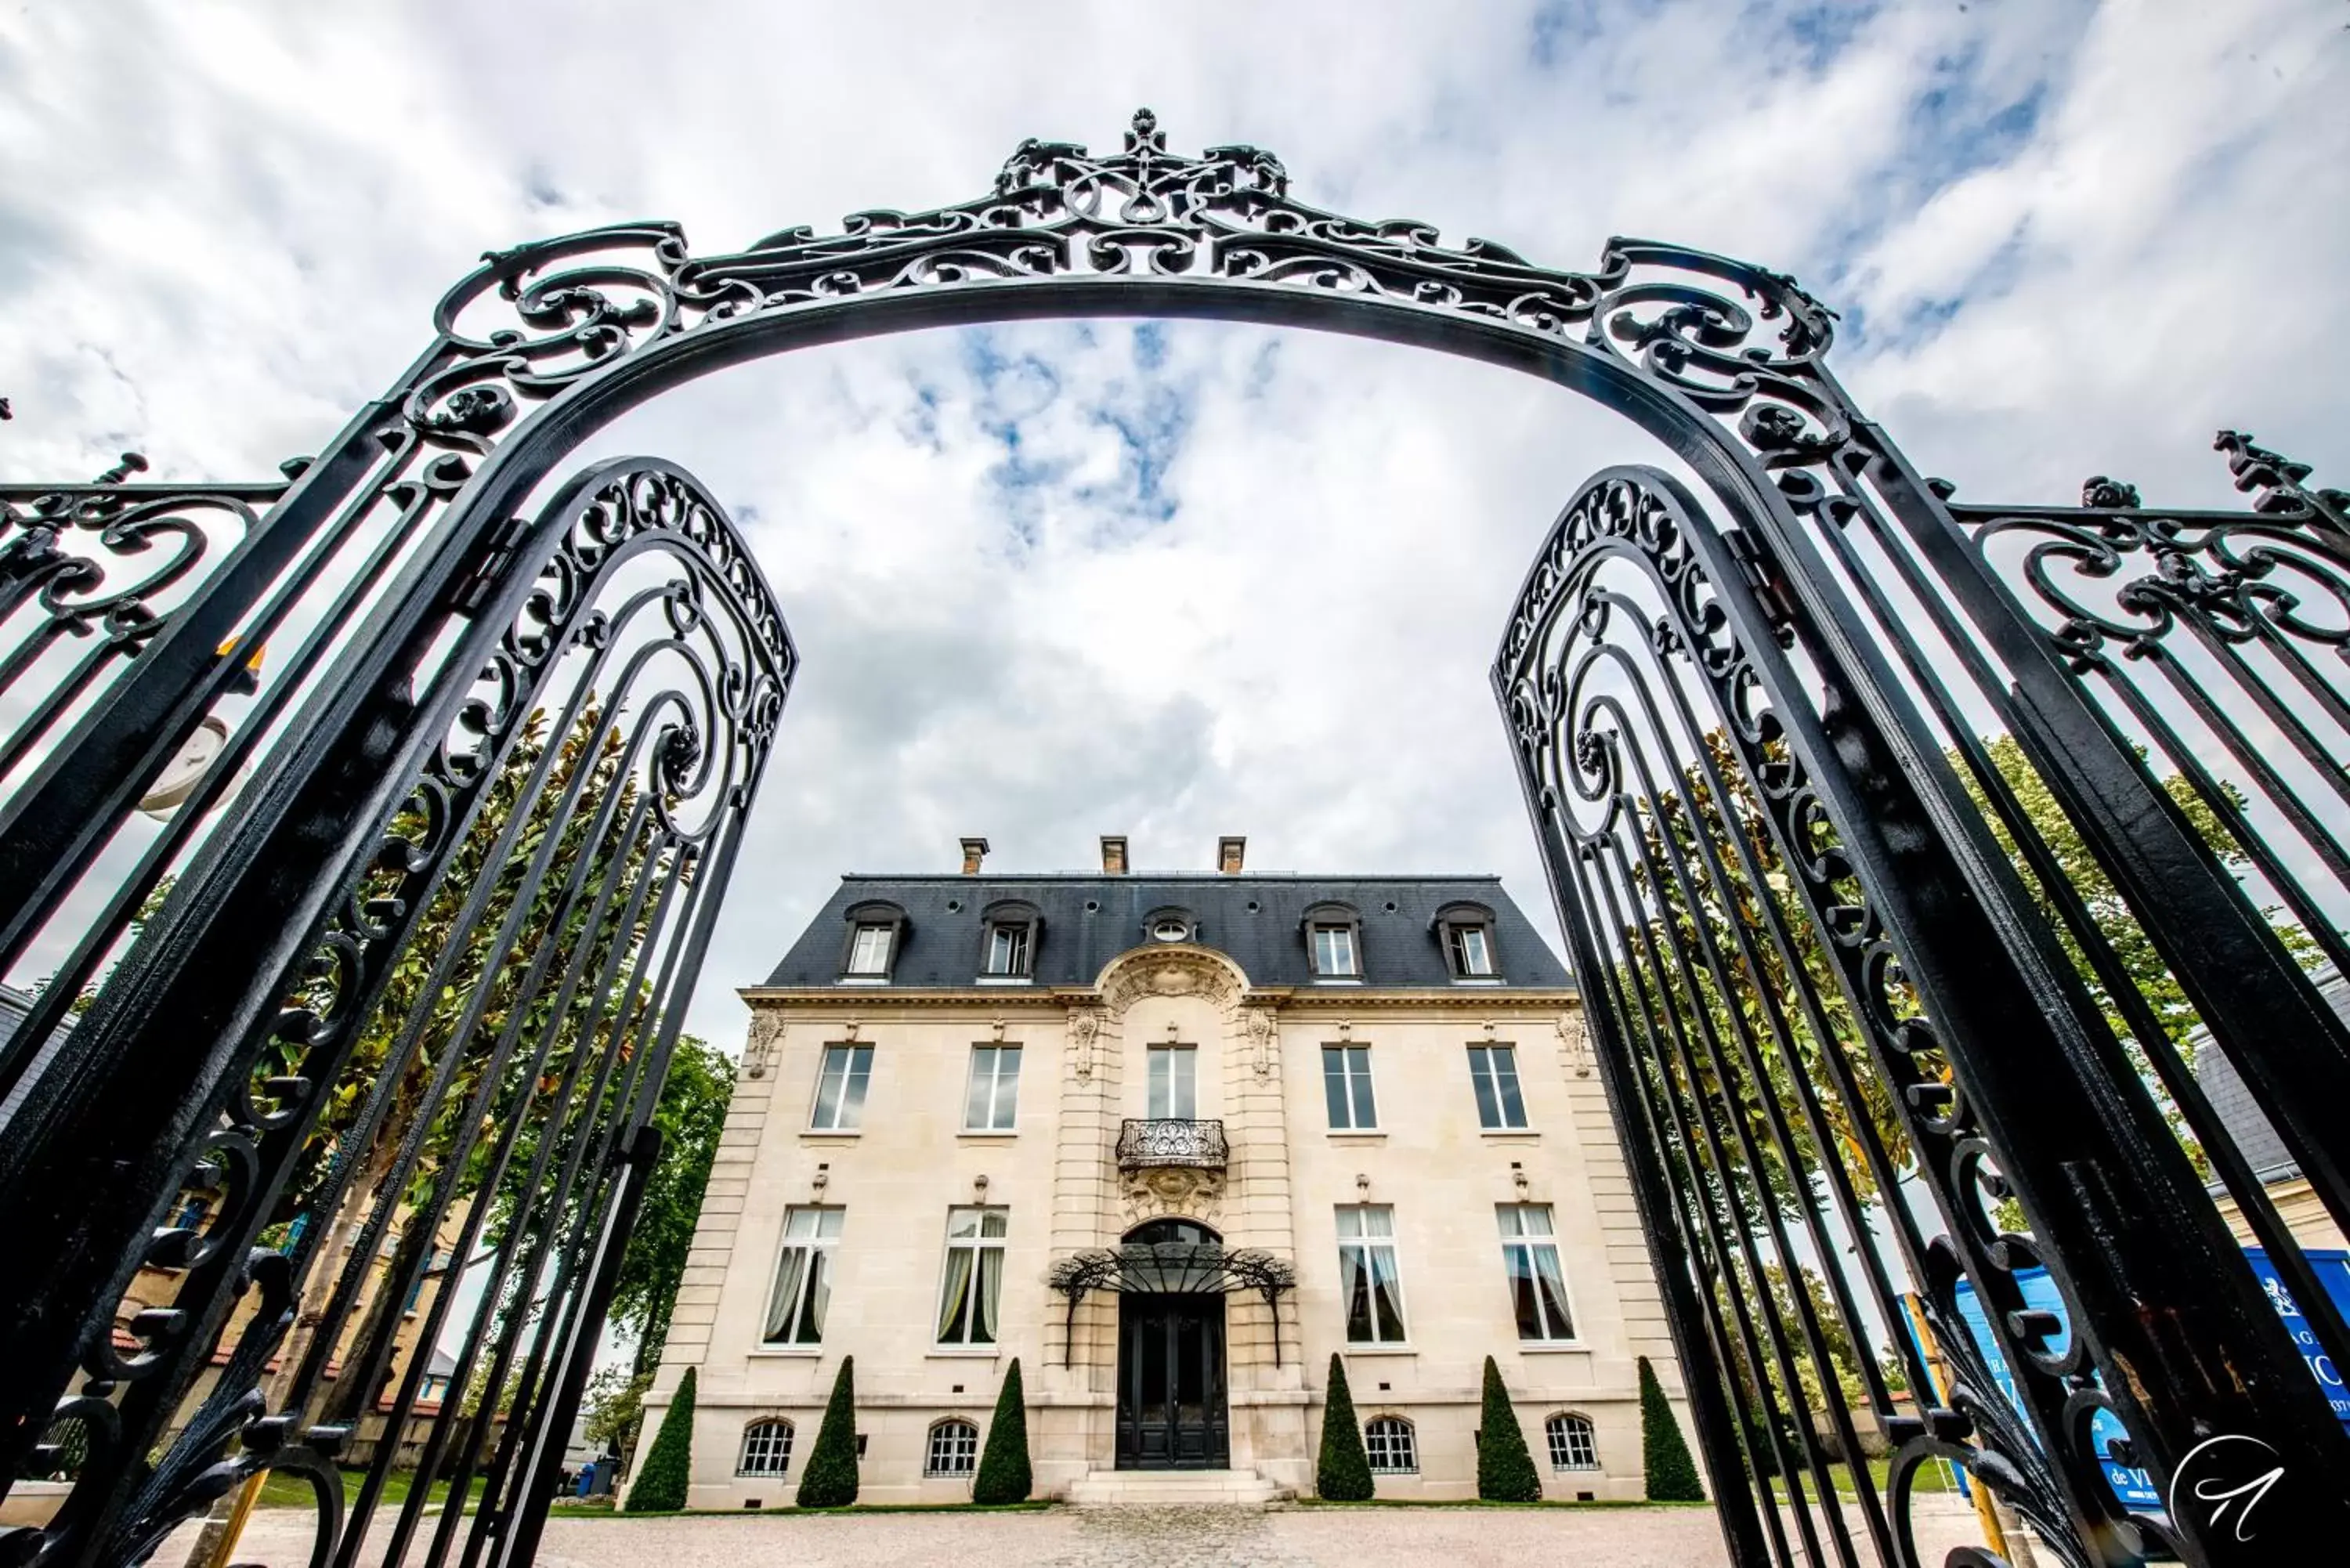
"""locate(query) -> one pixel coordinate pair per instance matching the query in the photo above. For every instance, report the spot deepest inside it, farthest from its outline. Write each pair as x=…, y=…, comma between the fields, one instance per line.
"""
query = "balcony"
x=1160, y=1142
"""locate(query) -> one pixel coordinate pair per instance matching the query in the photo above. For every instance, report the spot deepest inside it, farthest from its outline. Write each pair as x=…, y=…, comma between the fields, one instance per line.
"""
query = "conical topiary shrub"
x=830, y=1478
x=669, y=1464
x=1505, y=1472
x=1004, y=1474
x=1345, y=1472
x=1664, y=1457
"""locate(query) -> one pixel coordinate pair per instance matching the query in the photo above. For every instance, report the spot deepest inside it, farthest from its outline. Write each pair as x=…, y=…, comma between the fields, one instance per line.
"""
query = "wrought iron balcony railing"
x=1171, y=1140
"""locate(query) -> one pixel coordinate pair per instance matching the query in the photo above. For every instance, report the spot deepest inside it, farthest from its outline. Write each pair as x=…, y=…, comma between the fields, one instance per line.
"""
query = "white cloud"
x=221, y=228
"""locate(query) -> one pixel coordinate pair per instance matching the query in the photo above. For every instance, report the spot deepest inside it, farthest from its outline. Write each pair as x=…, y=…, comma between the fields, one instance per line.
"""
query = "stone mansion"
x=1171, y=1138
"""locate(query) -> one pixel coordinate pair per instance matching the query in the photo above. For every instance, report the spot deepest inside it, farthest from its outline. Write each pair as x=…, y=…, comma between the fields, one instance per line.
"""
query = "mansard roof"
x=1256, y=919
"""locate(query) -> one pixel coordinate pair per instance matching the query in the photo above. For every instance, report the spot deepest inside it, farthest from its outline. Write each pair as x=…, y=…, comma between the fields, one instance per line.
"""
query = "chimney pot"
x=1114, y=854
x=1231, y=851
x=974, y=850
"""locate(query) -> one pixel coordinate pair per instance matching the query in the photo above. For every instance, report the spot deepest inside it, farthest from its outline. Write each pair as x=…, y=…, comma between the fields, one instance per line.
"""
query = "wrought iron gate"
x=1858, y=1060
x=1903, y=846
x=406, y=993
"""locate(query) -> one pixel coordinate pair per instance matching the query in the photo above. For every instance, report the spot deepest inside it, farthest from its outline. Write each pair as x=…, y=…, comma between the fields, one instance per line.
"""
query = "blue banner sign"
x=2134, y=1486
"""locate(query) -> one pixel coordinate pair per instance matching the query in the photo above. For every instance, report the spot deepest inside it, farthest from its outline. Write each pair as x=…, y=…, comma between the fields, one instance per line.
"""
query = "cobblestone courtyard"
x=1116, y=1538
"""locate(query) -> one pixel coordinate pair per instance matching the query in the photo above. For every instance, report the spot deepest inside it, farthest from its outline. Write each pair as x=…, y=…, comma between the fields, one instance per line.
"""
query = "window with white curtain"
x=1368, y=1276
x=991, y=1104
x=972, y=1288
x=803, y=1276
x=1530, y=1259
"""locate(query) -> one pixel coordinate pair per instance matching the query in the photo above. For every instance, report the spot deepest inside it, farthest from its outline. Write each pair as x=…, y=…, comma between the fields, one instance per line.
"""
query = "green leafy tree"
x=615, y=1403
x=1004, y=1473
x=690, y=1113
x=1506, y=1471
x=669, y=1465
x=830, y=1478
x=1664, y=1459
x=1344, y=1474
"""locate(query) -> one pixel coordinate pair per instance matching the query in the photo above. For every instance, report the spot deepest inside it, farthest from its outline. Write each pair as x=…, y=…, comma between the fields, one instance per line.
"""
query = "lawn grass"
x=282, y=1491
x=1481, y=1503
x=1931, y=1477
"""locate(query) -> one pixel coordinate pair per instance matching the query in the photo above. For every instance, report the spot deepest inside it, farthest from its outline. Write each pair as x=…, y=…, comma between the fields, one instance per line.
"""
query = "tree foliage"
x=830, y=1478
x=1344, y=1473
x=669, y=1465
x=690, y=1113
x=1004, y=1473
x=1665, y=1462
x=1506, y=1471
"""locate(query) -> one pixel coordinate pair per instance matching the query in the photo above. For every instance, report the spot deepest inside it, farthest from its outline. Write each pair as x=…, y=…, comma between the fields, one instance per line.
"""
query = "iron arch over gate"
x=2001, y=1024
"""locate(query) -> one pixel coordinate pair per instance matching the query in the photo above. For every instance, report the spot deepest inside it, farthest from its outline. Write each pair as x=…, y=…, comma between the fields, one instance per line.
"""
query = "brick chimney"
x=1230, y=850
x=974, y=850
x=1114, y=854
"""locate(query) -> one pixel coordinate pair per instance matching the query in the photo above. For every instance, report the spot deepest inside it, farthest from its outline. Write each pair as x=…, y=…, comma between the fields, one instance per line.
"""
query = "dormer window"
x=1007, y=950
x=1007, y=943
x=869, y=951
x=1171, y=926
x=1467, y=933
x=875, y=933
x=1334, y=942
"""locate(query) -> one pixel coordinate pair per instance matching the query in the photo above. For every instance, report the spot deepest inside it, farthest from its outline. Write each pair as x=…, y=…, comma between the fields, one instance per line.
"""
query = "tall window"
x=803, y=1276
x=1471, y=951
x=1572, y=1444
x=1393, y=1447
x=974, y=1277
x=1007, y=949
x=1530, y=1259
x=1494, y=1071
x=1368, y=1276
x=954, y=1449
x=1173, y=1081
x=1334, y=949
x=1346, y=1084
x=992, y=1102
x=766, y=1448
x=868, y=949
x=840, y=1088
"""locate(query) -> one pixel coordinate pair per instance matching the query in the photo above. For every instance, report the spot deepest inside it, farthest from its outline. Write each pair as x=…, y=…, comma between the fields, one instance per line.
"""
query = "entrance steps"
x=1172, y=1489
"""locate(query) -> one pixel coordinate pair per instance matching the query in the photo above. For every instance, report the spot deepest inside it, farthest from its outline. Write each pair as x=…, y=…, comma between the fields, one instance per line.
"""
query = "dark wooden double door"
x=1172, y=1412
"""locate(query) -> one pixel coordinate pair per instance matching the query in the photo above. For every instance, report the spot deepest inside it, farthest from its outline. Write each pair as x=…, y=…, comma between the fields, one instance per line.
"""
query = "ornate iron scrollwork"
x=1170, y=1141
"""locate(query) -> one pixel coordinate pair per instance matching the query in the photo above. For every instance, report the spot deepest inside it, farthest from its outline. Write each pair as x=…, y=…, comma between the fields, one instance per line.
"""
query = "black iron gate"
x=1865, y=1047
x=1906, y=850
x=399, y=1004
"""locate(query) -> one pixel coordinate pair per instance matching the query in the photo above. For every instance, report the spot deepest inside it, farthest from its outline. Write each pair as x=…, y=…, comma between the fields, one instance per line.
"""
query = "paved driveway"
x=1114, y=1538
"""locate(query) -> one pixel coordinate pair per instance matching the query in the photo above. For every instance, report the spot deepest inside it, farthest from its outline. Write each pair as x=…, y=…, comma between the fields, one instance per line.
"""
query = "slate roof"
x=2257, y=1141
x=1257, y=919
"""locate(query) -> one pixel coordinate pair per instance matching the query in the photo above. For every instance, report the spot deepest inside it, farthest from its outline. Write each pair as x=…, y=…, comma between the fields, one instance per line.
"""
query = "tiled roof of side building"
x=1257, y=919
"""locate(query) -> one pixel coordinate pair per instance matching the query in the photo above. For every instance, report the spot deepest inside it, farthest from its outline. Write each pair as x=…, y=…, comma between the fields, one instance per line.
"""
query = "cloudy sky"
x=1178, y=580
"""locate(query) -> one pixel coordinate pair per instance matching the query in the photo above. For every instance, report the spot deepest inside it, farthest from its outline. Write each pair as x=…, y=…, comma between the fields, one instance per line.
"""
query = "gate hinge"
x=1755, y=565
x=470, y=592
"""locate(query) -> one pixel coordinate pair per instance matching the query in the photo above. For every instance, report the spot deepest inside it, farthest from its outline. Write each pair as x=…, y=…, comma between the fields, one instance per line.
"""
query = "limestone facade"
x=1055, y=1177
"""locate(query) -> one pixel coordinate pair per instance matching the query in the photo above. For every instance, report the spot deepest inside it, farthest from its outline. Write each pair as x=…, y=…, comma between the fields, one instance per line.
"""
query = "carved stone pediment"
x=1175, y=970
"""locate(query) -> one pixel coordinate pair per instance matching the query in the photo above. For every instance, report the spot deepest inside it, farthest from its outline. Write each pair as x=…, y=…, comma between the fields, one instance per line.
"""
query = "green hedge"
x=1004, y=1473
x=1345, y=1473
x=829, y=1480
x=1664, y=1457
x=660, y=1485
x=1505, y=1472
